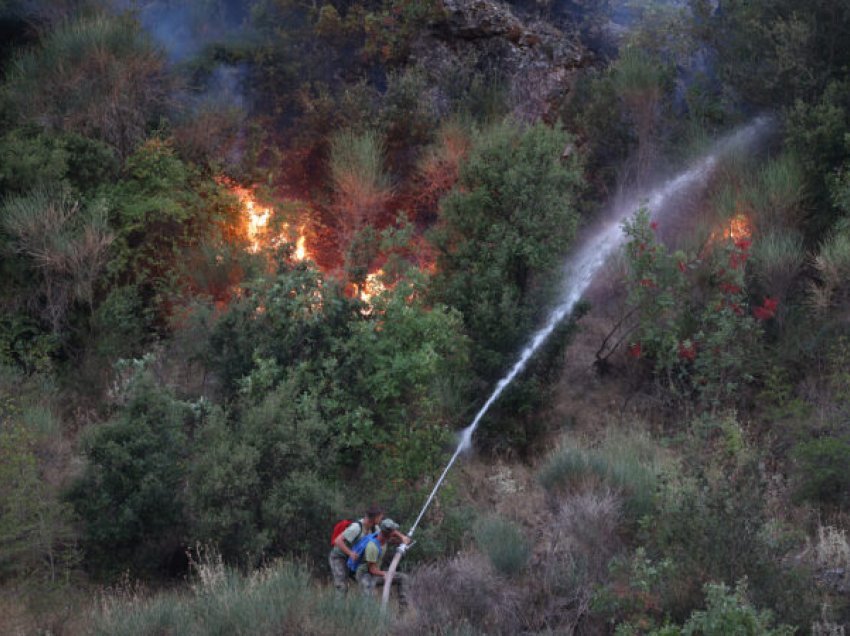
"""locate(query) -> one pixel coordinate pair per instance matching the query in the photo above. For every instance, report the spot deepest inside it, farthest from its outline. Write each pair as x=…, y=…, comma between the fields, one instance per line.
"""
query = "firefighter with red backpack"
x=347, y=535
x=370, y=551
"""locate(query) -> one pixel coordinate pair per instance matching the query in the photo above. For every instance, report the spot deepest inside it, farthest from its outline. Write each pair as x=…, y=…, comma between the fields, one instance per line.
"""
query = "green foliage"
x=832, y=264
x=595, y=114
x=713, y=525
x=98, y=75
x=504, y=544
x=130, y=496
x=692, y=314
x=63, y=249
x=633, y=598
x=278, y=599
x=25, y=345
x=165, y=213
x=501, y=233
x=323, y=385
x=770, y=51
x=778, y=258
x=728, y=612
x=627, y=462
x=37, y=547
x=821, y=470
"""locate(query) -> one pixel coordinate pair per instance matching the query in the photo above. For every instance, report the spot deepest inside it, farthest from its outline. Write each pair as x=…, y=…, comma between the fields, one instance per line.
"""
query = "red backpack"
x=339, y=528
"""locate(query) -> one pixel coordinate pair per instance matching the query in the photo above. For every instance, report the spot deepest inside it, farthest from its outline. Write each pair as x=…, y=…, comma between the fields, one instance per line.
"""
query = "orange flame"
x=739, y=228
x=256, y=220
x=372, y=286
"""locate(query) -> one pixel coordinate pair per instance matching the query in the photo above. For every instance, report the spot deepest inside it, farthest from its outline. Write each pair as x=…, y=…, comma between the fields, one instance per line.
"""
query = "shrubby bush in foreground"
x=278, y=599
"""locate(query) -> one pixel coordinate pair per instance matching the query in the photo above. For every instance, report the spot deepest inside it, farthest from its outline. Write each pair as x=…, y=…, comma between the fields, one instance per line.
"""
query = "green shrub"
x=822, y=470
x=97, y=75
x=714, y=526
x=778, y=257
x=278, y=599
x=130, y=496
x=629, y=463
x=504, y=544
x=727, y=612
x=37, y=547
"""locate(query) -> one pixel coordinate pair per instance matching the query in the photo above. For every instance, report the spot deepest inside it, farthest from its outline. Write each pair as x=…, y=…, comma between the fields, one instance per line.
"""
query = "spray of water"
x=583, y=266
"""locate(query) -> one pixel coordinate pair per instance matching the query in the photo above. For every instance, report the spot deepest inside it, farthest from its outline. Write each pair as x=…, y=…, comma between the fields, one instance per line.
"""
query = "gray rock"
x=538, y=60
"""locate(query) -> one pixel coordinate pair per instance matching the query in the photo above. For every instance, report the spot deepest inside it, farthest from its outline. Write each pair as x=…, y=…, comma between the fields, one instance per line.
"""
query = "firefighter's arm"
x=339, y=542
x=398, y=537
x=374, y=570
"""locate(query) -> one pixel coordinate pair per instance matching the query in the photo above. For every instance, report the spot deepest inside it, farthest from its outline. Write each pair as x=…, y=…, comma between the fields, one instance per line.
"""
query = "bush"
x=464, y=595
x=628, y=463
x=130, y=496
x=502, y=232
x=99, y=76
x=360, y=184
x=62, y=246
x=714, y=526
x=37, y=546
x=821, y=470
x=278, y=599
x=504, y=544
x=778, y=258
x=728, y=612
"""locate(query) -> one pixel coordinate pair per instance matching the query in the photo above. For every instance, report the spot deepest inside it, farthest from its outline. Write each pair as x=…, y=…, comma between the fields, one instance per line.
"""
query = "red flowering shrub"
x=767, y=310
x=693, y=318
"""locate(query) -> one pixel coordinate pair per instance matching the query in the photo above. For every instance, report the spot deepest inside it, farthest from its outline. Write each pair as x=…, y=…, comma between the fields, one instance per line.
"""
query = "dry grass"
x=464, y=593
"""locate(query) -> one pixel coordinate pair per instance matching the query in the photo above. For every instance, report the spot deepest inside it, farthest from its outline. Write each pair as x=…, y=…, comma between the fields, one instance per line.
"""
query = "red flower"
x=730, y=288
x=635, y=350
x=762, y=314
x=682, y=267
x=743, y=244
x=647, y=282
x=654, y=225
x=771, y=304
x=767, y=309
x=737, y=309
x=688, y=350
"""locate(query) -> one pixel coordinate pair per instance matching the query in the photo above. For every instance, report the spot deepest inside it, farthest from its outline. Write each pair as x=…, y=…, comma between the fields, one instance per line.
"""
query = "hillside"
x=268, y=265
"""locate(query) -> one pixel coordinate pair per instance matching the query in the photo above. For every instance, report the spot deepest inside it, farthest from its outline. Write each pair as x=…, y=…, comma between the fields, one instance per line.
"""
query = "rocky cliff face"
x=538, y=60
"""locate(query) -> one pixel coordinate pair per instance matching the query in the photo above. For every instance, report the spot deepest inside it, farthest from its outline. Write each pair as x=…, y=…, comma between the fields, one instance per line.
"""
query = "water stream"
x=598, y=246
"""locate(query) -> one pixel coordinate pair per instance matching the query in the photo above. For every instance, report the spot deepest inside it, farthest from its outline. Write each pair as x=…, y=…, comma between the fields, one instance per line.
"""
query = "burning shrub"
x=692, y=319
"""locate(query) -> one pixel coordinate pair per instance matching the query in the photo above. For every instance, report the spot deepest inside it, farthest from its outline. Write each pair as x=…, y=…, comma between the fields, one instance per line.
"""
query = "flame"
x=301, y=246
x=256, y=221
x=740, y=227
x=372, y=286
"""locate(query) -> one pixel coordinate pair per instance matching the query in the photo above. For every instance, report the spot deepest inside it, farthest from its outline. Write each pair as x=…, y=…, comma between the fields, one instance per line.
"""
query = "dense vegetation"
x=261, y=260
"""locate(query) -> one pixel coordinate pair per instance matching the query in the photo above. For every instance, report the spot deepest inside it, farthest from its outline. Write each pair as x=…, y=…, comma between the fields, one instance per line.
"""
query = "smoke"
x=185, y=29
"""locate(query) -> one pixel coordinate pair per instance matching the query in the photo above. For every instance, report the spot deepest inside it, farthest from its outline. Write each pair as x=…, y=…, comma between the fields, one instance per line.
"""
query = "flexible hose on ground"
x=388, y=581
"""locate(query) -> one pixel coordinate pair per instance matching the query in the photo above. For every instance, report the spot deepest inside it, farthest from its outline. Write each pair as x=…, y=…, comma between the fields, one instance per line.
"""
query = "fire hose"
x=402, y=549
